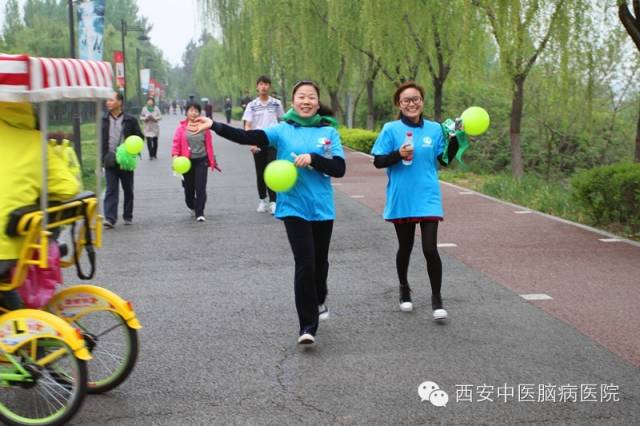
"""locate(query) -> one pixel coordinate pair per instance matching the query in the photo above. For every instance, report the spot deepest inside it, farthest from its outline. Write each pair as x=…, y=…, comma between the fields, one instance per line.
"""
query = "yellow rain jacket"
x=21, y=170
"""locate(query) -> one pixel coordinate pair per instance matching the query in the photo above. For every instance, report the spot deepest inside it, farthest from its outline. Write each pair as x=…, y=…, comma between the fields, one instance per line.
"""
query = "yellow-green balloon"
x=280, y=175
x=133, y=144
x=475, y=120
x=181, y=165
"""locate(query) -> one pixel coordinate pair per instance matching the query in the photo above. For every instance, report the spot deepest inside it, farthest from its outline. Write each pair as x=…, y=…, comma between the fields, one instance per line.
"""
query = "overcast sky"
x=174, y=24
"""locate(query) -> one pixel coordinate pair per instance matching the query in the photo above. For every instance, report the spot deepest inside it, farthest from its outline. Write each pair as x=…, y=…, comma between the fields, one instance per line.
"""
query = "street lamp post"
x=75, y=116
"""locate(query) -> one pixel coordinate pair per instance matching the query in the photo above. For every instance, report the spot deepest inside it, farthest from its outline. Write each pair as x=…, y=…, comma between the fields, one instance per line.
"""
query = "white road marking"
x=357, y=196
x=610, y=240
x=447, y=245
x=523, y=211
x=536, y=296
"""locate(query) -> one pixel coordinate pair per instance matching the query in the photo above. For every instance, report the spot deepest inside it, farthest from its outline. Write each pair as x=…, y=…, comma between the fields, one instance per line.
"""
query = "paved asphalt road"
x=218, y=343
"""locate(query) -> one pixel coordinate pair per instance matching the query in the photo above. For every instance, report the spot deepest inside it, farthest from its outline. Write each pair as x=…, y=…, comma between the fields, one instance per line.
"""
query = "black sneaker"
x=405, y=298
x=439, y=313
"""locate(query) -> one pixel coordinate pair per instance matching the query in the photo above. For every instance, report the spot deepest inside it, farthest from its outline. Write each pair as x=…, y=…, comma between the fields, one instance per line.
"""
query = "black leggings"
x=406, y=233
x=309, y=242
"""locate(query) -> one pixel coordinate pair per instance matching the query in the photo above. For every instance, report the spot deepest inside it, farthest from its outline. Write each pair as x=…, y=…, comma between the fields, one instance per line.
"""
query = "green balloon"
x=181, y=165
x=475, y=121
x=133, y=144
x=280, y=175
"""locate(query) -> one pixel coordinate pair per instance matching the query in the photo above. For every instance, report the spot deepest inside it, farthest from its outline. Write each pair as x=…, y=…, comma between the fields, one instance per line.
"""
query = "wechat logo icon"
x=430, y=391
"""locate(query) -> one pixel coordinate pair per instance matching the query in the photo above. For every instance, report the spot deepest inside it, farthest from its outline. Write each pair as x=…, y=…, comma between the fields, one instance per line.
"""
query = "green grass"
x=88, y=138
x=551, y=197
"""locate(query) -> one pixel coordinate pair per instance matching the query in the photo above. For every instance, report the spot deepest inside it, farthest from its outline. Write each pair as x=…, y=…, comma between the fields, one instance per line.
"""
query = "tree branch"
x=631, y=24
x=545, y=40
x=419, y=45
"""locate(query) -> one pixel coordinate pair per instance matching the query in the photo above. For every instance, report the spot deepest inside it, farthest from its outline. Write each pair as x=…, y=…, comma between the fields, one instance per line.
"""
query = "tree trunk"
x=517, y=167
x=437, y=99
x=370, y=113
x=335, y=103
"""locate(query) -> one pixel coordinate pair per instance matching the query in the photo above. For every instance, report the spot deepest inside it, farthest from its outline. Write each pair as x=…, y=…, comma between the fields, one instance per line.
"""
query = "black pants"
x=114, y=176
x=227, y=113
x=11, y=299
x=195, y=185
x=406, y=233
x=152, y=144
x=266, y=155
x=310, y=245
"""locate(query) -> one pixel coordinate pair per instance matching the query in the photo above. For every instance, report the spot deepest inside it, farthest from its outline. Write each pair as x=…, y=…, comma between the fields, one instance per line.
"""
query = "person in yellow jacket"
x=21, y=179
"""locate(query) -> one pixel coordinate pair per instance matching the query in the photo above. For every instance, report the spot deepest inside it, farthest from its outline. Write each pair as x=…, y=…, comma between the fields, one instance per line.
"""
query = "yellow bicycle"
x=85, y=339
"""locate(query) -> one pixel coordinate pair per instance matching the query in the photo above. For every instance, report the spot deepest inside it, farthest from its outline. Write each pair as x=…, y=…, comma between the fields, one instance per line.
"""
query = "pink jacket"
x=181, y=144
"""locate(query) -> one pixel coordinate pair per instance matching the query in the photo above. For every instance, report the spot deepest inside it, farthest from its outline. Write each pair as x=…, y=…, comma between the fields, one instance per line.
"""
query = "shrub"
x=610, y=194
x=358, y=139
x=236, y=113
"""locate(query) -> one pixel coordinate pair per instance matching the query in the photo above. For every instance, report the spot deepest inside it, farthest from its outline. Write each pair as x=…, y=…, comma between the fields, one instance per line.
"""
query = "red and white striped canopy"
x=29, y=79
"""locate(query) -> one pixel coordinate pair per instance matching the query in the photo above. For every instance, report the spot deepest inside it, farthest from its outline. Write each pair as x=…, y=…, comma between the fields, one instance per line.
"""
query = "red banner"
x=118, y=59
x=153, y=86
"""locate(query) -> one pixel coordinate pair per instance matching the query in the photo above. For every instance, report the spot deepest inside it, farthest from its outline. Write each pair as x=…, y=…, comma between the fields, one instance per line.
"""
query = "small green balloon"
x=475, y=120
x=133, y=144
x=280, y=175
x=181, y=165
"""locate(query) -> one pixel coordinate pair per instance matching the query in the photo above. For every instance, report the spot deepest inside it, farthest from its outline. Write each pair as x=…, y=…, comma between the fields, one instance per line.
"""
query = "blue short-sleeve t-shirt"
x=311, y=198
x=412, y=190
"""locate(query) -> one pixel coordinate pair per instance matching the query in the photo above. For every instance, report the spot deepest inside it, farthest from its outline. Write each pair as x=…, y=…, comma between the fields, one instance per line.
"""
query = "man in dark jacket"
x=116, y=127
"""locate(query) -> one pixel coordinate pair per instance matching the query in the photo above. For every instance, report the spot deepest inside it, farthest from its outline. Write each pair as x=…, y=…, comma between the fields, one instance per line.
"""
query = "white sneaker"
x=439, y=314
x=272, y=207
x=263, y=206
x=406, y=306
x=192, y=212
x=201, y=219
x=323, y=312
x=306, y=339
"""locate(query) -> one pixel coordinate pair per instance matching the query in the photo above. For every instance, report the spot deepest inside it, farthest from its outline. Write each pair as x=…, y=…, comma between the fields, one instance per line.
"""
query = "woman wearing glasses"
x=410, y=149
x=307, y=136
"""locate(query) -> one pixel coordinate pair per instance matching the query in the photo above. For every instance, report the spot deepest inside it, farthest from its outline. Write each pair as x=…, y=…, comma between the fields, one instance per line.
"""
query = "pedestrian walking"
x=150, y=116
x=410, y=149
x=261, y=113
x=198, y=147
x=228, y=107
x=116, y=127
x=307, y=210
x=208, y=109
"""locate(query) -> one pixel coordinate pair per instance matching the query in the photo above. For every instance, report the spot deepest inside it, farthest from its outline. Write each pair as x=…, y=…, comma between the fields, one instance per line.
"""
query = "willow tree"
x=437, y=29
x=632, y=24
x=521, y=29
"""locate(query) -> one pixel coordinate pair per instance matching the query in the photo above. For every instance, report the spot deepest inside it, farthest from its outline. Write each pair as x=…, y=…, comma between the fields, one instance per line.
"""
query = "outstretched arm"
x=243, y=137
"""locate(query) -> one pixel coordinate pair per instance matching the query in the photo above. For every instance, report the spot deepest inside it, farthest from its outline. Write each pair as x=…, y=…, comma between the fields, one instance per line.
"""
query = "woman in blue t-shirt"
x=306, y=136
x=410, y=149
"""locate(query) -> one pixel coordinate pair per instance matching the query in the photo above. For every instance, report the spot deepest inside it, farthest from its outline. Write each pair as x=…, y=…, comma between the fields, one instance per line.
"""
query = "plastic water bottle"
x=408, y=140
x=326, y=151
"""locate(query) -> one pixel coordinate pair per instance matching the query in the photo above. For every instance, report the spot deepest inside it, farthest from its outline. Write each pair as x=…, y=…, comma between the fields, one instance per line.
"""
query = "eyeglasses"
x=416, y=100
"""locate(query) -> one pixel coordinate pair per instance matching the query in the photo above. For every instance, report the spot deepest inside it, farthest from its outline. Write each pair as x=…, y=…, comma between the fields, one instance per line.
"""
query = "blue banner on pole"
x=90, y=29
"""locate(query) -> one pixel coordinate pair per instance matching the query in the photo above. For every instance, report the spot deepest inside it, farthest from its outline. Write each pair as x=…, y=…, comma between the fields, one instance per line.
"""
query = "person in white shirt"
x=261, y=113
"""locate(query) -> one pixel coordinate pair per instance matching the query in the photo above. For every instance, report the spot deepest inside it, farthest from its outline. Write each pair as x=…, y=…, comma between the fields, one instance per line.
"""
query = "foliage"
x=610, y=194
x=358, y=139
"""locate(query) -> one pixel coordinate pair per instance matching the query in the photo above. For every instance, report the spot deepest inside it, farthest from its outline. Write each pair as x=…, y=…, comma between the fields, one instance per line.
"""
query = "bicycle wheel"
x=43, y=383
x=113, y=346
